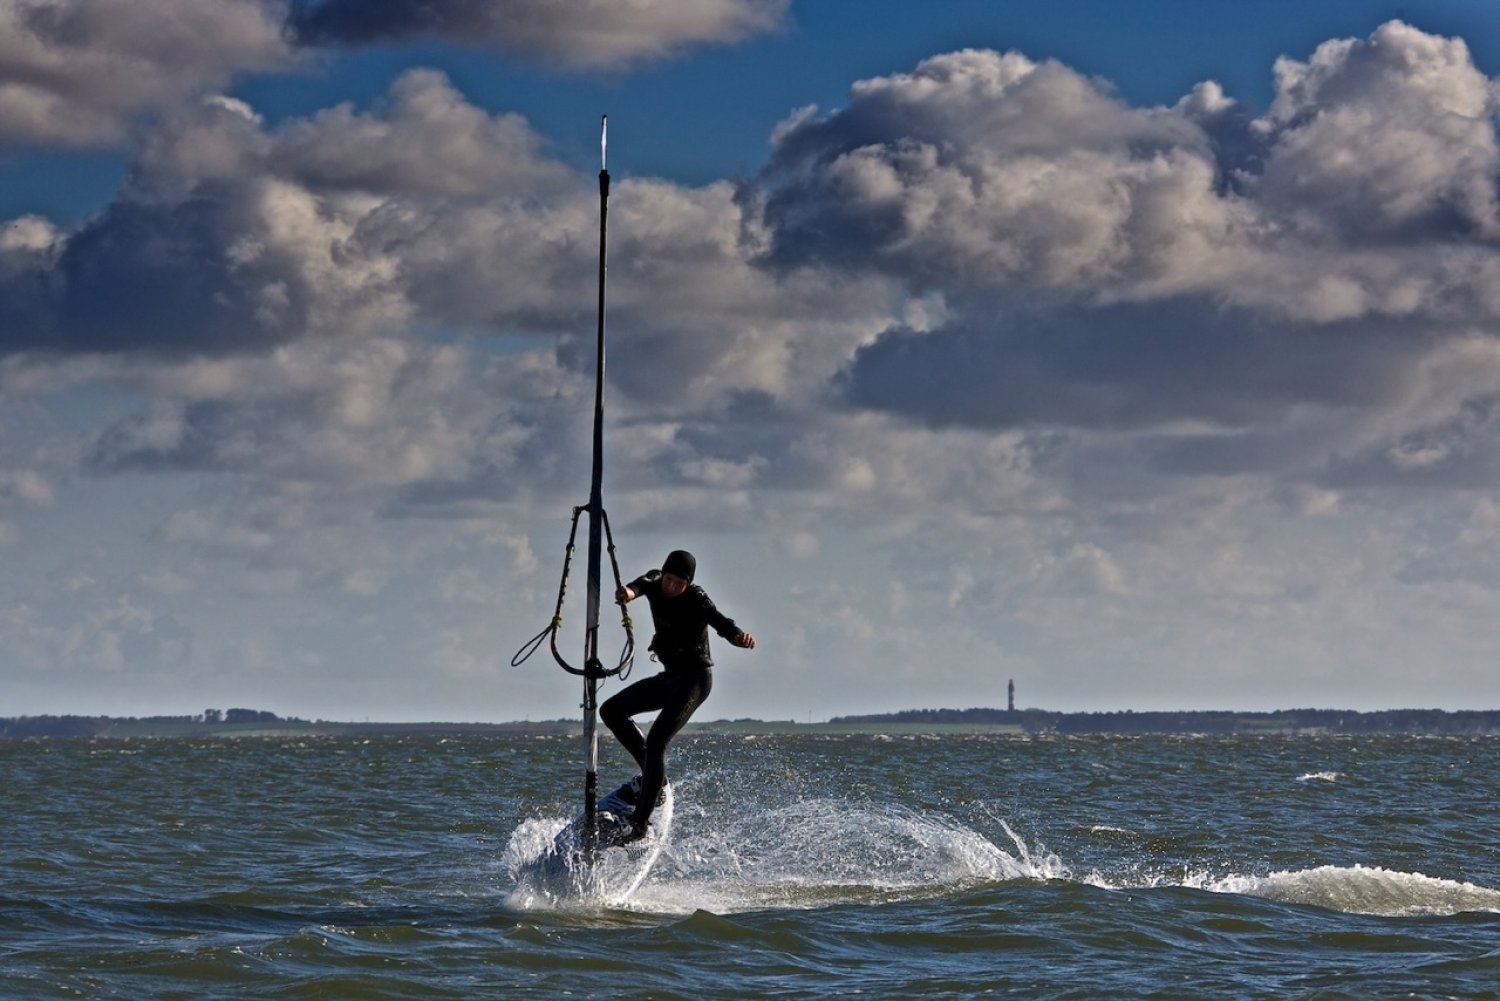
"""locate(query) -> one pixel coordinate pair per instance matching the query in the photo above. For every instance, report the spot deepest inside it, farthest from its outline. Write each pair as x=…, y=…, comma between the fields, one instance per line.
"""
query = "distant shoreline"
x=248, y=724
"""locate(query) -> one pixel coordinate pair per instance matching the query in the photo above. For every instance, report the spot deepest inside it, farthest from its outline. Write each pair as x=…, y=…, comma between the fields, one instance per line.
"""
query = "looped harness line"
x=595, y=670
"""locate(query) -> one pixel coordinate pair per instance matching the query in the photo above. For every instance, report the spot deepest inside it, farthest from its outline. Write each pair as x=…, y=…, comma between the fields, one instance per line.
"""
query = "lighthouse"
x=1011, y=695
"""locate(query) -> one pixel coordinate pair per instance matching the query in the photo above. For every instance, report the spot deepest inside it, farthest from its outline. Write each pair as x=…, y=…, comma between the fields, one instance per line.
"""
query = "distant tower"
x=1011, y=704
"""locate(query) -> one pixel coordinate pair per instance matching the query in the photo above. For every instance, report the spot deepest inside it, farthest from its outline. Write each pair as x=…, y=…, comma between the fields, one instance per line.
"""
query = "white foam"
x=548, y=877
x=1364, y=890
x=822, y=852
x=809, y=853
x=818, y=852
x=528, y=841
x=1354, y=889
x=1320, y=777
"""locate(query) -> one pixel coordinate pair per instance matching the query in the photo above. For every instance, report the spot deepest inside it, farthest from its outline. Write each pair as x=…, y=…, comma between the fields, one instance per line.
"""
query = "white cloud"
x=982, y=174
x=1286, y=296
x=983, y=169
x=1389, y=135
x=25, y=237
x=427, y=139
x=350, y=416
x=200, y=527
x=1366, y=191
x=1039, y=375
x=799, y=545
x=79, y=72
x=26, y=486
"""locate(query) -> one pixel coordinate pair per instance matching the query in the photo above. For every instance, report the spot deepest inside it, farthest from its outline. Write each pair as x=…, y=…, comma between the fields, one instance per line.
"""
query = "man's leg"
x=642, y=697
x=686, y=696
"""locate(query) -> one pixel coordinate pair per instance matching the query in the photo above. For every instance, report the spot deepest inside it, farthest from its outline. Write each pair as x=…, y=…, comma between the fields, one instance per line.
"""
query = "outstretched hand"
x=744, y=641
x=625, y=594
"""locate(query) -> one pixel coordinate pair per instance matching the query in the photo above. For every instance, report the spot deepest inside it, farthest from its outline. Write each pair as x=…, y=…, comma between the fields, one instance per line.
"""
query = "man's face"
x=672, y=585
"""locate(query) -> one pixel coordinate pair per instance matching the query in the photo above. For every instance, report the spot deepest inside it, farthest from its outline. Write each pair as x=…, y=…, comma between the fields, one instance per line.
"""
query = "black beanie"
x=680, y=563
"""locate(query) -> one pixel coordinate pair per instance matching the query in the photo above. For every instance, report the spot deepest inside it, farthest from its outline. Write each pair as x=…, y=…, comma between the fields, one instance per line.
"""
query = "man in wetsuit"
x=683, y=613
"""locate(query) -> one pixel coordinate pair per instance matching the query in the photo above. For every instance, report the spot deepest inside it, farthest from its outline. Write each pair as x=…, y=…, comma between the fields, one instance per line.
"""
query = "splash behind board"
x=619, y=866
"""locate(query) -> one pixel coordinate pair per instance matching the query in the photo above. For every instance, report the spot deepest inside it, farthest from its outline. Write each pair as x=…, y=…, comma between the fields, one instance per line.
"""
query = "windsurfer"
x=682, y=613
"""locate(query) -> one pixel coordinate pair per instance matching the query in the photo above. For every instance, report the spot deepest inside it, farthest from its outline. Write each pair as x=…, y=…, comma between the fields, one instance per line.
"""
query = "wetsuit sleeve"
x=721, y=623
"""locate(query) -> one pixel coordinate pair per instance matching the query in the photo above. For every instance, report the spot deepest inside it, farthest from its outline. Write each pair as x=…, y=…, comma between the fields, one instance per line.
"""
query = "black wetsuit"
x=681, y=644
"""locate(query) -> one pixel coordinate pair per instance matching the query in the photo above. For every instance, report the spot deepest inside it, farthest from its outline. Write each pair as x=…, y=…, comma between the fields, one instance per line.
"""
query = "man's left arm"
x=725, y=626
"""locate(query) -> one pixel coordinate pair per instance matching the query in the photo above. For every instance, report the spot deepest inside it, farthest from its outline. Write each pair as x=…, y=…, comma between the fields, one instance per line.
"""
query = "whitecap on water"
x=1354, y=889
x=1361, y=890
x=1320, y=777
x=1111, y=831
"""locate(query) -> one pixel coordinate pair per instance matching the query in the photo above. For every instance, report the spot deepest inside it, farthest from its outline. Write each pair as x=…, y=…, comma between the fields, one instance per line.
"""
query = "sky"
x=1145, y=354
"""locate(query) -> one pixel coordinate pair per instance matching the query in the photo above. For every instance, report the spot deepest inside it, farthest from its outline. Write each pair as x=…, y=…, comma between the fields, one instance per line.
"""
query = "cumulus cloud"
x=79, y=72
x=986, y=243
x=83, y=73
x=1270, y=294
x=425, y=139
x=580, y=33
x=981, y=169
x=229, y=238
x=988, y=323
x=254, y=288
x=988, y=171
x=390, y=415
x=1388, y=137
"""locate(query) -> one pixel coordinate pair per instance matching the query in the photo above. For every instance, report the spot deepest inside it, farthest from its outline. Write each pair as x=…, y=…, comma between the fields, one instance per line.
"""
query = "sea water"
x=797, y=867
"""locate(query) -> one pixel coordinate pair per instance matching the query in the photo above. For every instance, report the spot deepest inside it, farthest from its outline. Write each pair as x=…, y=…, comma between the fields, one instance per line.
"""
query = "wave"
x=811, y=853
x=1353, y=889
x=824, y=852
x=1364, y=890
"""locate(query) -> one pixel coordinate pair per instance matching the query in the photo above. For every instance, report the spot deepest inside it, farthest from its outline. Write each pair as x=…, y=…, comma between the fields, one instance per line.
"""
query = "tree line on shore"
x=95, y=726
x=252, y=722
x=1341, y=721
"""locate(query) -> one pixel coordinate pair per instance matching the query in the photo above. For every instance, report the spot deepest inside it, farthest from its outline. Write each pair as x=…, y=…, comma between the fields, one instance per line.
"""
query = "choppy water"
x=798, y=867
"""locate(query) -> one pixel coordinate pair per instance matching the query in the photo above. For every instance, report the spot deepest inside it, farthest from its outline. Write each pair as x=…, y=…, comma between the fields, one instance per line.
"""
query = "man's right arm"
x=629, y=592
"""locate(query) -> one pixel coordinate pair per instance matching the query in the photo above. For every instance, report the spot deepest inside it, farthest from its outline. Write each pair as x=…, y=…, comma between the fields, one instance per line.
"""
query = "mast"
x=600, y=540
x=593, y=668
